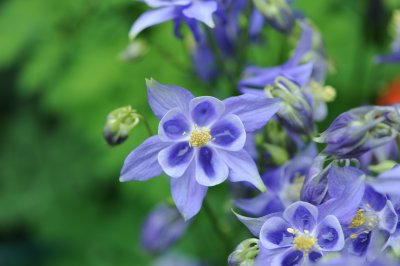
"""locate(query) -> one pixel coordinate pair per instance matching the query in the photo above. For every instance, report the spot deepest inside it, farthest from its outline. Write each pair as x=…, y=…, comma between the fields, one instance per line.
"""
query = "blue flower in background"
x=188, y=11
x=163, y=227
x=256, y=78
x=283, y=185
x=394, y=57
x=360, y=130
x=200, y=143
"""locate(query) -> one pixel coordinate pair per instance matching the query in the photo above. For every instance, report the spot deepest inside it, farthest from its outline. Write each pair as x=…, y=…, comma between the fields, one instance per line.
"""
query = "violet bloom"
x=162, y=228
x=256, y=78
x=360, y=130
x=283, y=185
x=297, y=237
x=188, y=11
x=200, y=143
x=372, y=225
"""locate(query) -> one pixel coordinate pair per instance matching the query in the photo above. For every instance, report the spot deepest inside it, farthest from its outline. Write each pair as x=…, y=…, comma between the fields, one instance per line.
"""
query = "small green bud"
x=134, y=50
x=119, y=124
x=245, y=253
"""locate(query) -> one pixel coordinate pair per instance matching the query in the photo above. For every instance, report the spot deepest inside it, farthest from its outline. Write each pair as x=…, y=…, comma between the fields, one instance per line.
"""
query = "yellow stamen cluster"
x=358, y=220
x=303, y=242
x=199, y=136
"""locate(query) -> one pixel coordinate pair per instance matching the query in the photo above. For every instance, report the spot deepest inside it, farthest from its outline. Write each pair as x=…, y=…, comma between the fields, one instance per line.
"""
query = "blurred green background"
x=60, y=70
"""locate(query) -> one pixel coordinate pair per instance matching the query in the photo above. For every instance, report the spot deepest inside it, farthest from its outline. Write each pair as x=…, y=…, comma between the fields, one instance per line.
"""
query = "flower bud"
x=278, y=13
x=297, y=111
x=134, y=50
x=119, y=124
x=162, y=228
x=245, y=253
x=360, y=130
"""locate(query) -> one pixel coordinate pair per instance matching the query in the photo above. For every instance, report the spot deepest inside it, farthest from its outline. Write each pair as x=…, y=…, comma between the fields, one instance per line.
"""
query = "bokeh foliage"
x=60, y=72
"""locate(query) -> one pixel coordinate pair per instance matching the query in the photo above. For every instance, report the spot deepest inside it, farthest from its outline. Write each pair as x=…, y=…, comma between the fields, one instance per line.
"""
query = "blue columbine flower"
x=359, y=130
x=256, y=78
x=372, y=225
x=200, y=143
x=283, y=184
x=297, y=237
x=163, y=227
x=188, y=11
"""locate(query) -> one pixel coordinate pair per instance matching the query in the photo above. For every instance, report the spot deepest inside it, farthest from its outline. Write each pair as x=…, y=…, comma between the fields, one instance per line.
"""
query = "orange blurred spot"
x=391, y=94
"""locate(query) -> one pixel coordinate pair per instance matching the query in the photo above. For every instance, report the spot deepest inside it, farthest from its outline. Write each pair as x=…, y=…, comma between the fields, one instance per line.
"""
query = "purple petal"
x=303, y=46
x=254, y=111
x=388, y=218
x=274, y=233
x=202, y=11
x=254, y=224
x=314, y=256
x=188, y=195
x=211, y=170
x=151, y=18
x=290, y=257
x=205, y=110
x=175, y=159
x=229, y=133
x=242, y=168
x=264, y=203
x=302, y=215
x=163, y=98
x=299, y=74
x=376, y=200
x=174, y=126
x=330, y=234
x=142, y=164
x=388, y=182
x=359, y=246
x=161, y=3
x=346, y=187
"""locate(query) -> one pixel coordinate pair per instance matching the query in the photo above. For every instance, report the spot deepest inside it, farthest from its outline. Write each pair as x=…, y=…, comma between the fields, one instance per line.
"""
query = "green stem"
x=218, y=58
x=221, y=231
x=148, y=128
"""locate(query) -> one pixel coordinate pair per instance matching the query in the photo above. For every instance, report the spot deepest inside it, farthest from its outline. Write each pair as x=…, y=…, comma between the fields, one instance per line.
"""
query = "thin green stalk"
x=221, y=231
x=218, y=58
x=148, y=128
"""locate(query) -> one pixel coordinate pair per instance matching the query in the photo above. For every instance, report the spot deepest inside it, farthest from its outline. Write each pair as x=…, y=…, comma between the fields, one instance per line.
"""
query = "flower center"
x=200, y=136
x=358, y=220
x=303, y=242
x=365, y=220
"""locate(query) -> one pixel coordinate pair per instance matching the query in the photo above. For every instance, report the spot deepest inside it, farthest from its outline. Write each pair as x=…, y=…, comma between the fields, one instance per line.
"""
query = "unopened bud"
x=297, y=111
x=245, y=253
x=134, y=50
x=278, y=13
x=119, y=124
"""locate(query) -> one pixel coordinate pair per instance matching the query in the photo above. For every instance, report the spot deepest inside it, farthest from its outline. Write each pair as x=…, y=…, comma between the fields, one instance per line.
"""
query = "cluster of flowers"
x=339, y=206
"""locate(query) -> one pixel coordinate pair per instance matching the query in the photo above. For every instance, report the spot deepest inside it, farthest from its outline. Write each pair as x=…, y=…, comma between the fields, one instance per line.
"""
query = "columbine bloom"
x=283, y=184
x=188, y=11
x=297, y=237
x=372, y=225
x=200, y=143
x=360, y=130
x=256, y=78
x=163, y=227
